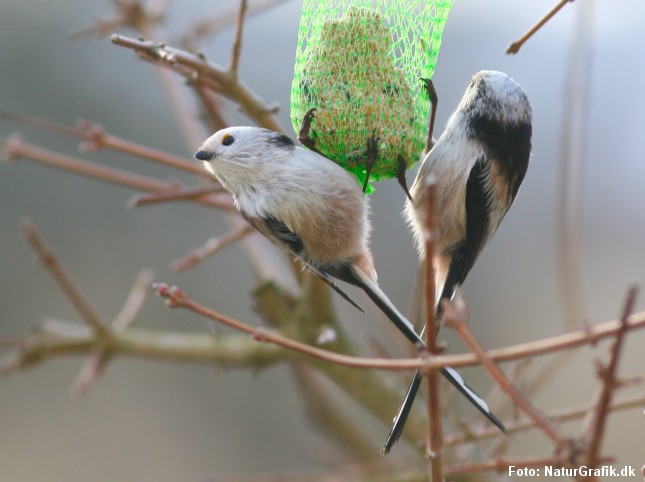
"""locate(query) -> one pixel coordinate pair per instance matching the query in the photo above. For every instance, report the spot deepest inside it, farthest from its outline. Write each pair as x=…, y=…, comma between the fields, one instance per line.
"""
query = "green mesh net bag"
x=359, y=64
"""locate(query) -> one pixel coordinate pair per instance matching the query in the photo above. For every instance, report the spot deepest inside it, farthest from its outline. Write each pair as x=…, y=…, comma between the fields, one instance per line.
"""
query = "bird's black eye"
x=227, y=140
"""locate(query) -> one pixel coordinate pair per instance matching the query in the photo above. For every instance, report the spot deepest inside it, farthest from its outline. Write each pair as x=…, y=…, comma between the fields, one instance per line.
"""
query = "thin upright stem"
x=62, y=278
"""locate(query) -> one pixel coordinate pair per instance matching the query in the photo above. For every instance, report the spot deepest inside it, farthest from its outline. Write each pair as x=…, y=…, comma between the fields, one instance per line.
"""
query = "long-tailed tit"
x=478, y=163
x=309, y=206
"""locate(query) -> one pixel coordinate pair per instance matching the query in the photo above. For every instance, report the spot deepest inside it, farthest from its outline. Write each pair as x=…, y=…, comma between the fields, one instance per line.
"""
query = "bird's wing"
x=478, y=226
x=280, y=234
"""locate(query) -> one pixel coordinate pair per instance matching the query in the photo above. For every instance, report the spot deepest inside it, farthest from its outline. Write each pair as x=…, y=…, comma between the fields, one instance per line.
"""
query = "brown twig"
x=135, y=300
x=97, y=360
x=587, y=335
x=62, y=278
x=515, y=46
x=16, y=148
x=237, y=43
x=212, y=247
x=481, y=432
x=597, y=419
x=173, y=195
x=146, y=343
x=178, y=299
x=199, y=67
x=56, y=338
x=222, y=19
x=211, y=107
x=329, y=415
x=96, y=138
x=455, y=316
x=191, y=127
x=434, y=439
x=130, y=14
x=92, y=369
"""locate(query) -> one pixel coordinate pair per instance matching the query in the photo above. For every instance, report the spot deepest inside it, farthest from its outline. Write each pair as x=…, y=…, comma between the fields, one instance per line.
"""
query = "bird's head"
x=242, y=153
x=495, y=95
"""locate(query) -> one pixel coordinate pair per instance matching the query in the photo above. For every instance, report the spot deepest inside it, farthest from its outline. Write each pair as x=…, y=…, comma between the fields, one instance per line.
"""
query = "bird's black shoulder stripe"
x=282, y=140
x=465, y=253
x=509, y=144
x=283, y=234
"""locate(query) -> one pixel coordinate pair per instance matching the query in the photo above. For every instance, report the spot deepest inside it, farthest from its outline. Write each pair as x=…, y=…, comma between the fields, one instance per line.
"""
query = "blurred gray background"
x=147, y=421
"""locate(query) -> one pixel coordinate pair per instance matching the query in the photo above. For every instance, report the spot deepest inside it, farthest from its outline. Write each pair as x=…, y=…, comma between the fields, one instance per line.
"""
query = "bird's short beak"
x=204, y=155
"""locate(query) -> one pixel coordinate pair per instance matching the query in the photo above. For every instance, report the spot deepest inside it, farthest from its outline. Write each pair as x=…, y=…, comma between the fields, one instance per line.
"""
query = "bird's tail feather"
x=327, y=279
x=387, y=307
x=404, y=410
x=357, y=277
x=382, y=301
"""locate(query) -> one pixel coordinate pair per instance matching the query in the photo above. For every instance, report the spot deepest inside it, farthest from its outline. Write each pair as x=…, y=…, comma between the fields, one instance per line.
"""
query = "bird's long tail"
x=404, y=410
x=388, y=308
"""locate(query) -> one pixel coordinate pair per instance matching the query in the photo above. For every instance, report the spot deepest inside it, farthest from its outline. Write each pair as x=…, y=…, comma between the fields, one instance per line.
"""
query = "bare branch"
x=212, y=247
x=597, y=420
x=211, y=106
x=237, y=44
x=174, y=195
x=135, y=300
x=481, y=432
x=588, y=335
x=515, y=46
x=200, y=68
x=455, y=316
x=96, y=138
x=61, y=338
x=328, y=415
x=62, y=278
x=177, y=299
x=434, y=439
x=129, y=14
x=16, y=148
x=92, y=369
x=220, y=20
